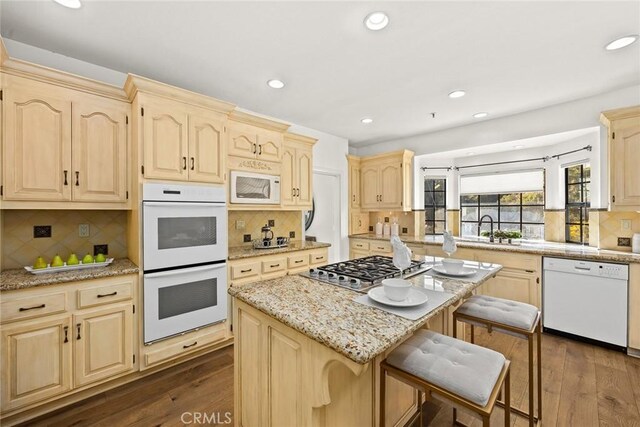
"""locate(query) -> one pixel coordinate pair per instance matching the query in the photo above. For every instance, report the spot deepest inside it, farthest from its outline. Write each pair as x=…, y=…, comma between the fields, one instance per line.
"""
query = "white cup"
x=452, y=266
x=396, y=289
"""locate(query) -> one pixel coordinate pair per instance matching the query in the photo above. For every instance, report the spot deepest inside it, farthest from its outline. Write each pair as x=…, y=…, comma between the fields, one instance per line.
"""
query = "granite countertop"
x=564, y=250
x=239, y=252
x=329, y=315
x=11, y=280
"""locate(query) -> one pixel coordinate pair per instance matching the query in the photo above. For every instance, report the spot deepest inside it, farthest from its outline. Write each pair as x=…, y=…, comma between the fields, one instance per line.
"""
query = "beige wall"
x=20, y=248
x=605, y=228
x=285, y=222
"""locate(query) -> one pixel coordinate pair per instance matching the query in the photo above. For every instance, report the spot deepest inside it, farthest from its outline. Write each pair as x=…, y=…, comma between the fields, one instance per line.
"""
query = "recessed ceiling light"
x=376, y=21
x=457, y=94
x=73, y=4
x=275, y=84
x=470, y=153
x=622, y=42
x=367, y=120
x=518, y=146
x=480, y=115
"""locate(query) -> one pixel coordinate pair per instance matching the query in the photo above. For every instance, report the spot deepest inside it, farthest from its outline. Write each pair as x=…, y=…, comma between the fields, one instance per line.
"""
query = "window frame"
x=498, y=205
x=435, y=206
x=584, y=205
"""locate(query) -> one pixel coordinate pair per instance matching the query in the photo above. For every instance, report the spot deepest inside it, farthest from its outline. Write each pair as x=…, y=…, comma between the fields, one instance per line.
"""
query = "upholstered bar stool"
x=513, y=318
x=466, y=374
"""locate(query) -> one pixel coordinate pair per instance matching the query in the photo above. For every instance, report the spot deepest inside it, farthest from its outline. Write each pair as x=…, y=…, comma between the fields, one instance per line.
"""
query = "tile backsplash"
x=605, y=227
x=285, y=222
x=406, y=220
x=20, y=248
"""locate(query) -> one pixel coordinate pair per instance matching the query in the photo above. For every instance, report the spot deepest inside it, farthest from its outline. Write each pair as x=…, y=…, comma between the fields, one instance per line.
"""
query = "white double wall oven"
x=184, y=258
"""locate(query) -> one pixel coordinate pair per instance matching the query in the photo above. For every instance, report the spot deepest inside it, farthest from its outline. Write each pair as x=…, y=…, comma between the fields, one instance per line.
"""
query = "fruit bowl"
x=65, y=267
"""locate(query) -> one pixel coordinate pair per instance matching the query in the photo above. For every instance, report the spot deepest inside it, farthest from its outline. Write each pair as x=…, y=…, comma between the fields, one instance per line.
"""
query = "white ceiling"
x=510, y=57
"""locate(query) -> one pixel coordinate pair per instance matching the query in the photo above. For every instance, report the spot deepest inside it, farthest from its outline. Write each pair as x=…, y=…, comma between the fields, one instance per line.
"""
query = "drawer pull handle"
x=65, y=178
x=319, y=258
x=298, y=261
x=529, y=271
x=78, y=328
x=108, y=295
x=32, y=308
x=190, y=345
x=77, y=178
x=193, y=163
x=66, y=333
x=260, y=150
x=246, y=271
x=254, y=149
x=184, y=163
x=275, y=265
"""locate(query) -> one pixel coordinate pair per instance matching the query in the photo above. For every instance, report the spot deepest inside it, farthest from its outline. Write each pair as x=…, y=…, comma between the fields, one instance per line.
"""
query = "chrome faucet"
x=480, y=225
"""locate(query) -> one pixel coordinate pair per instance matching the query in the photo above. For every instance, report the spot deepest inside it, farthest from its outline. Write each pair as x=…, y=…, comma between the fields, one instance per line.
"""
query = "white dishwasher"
x=586, y=299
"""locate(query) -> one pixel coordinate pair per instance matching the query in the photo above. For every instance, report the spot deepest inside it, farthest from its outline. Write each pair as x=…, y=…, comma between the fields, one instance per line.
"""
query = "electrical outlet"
x=371, y=228
x=272, y=223
x=624, y=241
x=247, y=237
x=41, y=231
x=83, y=230
x=292, y=234
x=100, y=249
x=386, y=219
x=239, y=224
x=625, y=224
x=405, y=230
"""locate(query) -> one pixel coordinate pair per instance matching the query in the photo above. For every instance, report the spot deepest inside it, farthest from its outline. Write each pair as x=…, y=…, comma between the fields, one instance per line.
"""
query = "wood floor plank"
x=578, y=398
x=616, y=402
x=633, y=370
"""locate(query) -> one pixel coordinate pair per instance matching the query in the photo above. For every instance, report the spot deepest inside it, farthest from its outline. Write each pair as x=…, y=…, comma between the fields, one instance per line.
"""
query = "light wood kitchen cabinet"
x=103, y=343
x=253, y=142
x=181, y=142
x=296, y=178
x=36, y=360
x=354, y=182
x=63, y=145
x=359, y=223
x=634, y=307
x=387, y=181
x=624, y=157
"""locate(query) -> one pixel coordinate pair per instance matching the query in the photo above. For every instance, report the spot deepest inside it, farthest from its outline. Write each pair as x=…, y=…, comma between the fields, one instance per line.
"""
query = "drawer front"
x=245, y=270
x=318, y=257
x=33, y=306
x=297, y=261
x=121, y=290
x=200, y=340
x=276, y=264
x=381, y=247
x=527, y=262
x=360, y=245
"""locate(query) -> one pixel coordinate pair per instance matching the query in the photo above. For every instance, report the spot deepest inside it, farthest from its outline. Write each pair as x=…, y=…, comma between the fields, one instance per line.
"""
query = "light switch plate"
x=83, y=230
x=625, y=224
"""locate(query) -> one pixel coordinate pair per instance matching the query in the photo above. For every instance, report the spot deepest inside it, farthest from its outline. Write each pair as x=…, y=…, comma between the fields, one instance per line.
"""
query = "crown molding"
x=299, y=138
x=250, y=119
x=619, y=113
x=135, y=84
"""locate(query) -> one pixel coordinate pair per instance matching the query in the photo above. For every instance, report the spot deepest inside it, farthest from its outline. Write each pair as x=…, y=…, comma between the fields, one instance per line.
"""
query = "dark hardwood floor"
x=583, y=386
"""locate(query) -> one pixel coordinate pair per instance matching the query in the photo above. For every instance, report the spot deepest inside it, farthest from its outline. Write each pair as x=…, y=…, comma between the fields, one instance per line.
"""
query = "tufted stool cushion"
x=498, y=310
x=465, y=369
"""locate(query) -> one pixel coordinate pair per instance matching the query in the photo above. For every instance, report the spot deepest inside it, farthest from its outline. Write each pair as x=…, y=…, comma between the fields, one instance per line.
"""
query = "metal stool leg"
x=507, y=399
x=473, y=338
x=539, y=370
x=531, y=379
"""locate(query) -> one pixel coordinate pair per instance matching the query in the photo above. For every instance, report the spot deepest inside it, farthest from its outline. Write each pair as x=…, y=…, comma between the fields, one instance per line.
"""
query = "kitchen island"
x=307, y=354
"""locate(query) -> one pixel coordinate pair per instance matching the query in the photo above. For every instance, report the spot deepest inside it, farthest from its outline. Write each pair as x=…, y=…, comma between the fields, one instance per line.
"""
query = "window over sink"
x=435, y=205
x=577, y=179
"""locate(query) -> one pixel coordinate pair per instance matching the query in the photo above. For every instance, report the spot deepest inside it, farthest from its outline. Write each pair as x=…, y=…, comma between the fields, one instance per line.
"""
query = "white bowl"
x=396, y=289
x=452, y=266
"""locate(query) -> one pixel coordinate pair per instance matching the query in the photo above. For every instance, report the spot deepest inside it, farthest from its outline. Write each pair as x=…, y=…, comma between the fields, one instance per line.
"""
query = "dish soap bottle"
x=395, y=228
x=379, y=227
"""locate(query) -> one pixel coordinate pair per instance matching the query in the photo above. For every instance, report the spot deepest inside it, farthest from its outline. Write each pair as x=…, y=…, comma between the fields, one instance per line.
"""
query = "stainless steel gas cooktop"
x=362, y=274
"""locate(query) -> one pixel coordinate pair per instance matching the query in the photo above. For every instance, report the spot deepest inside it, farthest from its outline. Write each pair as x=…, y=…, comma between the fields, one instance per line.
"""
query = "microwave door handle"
x=191, y=270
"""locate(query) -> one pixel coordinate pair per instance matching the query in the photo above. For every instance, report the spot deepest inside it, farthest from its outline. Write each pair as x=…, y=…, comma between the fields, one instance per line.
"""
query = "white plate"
x=466, y=271
x=65, y=267
x=415, y=298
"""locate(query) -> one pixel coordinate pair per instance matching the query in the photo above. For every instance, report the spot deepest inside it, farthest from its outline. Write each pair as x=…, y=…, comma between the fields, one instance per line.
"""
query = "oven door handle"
x=190, y=270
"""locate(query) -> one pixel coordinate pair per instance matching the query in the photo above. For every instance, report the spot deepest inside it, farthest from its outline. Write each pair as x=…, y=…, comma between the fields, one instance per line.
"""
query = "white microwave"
x=255, y=188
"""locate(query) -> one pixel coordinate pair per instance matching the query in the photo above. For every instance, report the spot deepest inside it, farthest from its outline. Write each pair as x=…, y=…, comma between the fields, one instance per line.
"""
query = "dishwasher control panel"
x=588, y=268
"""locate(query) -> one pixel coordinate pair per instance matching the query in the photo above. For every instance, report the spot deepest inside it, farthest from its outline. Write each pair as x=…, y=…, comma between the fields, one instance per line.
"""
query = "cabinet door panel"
x=391, y=185
x=625, y=152
x=36, y=361
x=99, y=150
x=370, y=192
x=243, y=141
x=103, y=343
x=288, y=176
x=37, y=146
x=354, y=184
x=512, y=285
x=304, y=174
x=165, y=140
x=206, y=149
x=269, y=146
x=285, y=380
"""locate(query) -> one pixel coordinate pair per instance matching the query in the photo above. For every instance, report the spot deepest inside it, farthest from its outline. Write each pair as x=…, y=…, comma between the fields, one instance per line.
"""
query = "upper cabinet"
x=181, y=135
x=624, y=157
x=62, y=144
x=386, y=181
x=354, y=182
x=252, y=137
x=296, y=178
